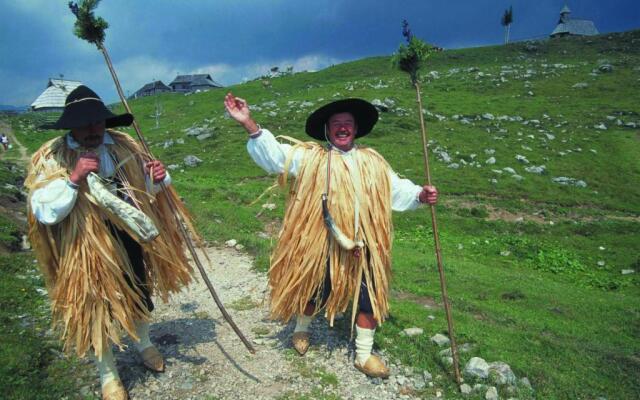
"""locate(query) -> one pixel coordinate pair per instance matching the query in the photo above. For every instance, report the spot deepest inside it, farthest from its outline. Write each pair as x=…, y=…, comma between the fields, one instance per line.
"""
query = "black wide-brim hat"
x=83, y=107
x=363, y=112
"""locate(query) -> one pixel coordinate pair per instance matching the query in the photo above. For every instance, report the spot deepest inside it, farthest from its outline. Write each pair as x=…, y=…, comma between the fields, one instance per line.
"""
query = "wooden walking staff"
x=91, y=29
x=408, y=59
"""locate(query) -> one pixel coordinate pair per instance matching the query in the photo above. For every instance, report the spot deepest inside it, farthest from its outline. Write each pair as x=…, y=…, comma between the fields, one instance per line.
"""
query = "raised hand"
x=87, y=163
x=238, y=109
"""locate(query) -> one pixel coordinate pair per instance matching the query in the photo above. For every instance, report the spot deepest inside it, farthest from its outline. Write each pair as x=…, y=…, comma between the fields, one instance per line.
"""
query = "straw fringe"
x=298, y=264
x=85, y=266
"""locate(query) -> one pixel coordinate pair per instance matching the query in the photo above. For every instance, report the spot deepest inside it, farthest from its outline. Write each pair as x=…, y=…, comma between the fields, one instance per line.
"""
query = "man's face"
x=342, y=130
x=89, y=136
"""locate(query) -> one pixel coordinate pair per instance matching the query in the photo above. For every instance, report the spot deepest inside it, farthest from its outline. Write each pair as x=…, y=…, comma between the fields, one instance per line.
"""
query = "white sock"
x=364, y=344
x=142, y=330
x=302, y=323
x=106, y=366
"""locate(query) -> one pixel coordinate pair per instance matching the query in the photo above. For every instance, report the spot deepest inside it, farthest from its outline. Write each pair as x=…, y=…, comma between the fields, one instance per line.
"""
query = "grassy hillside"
x=534, y=267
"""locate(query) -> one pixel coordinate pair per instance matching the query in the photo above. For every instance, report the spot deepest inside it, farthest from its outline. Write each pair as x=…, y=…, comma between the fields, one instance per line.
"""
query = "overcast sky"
x=235, y=40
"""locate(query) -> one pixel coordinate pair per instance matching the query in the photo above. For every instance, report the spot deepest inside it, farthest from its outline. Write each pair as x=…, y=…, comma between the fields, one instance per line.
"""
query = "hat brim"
x=363, y=112
x=87, y=114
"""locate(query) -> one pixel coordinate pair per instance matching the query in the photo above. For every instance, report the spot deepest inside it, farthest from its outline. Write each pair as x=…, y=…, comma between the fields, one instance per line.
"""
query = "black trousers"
x=364, y=302
x=134, y=251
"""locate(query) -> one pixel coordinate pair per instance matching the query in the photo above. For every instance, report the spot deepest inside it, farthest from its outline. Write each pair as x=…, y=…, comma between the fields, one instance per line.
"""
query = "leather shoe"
x=152, y=359
x=301, y=342
x=114, y=390
x=373, y=367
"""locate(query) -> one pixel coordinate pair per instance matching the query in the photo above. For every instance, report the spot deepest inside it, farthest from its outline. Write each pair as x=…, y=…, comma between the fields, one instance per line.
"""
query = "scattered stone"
x=453, y=166
x=192, y=161
x=535, y=169
x=490, y=161
x=412, y=332
x=509, y=170
x=489, y=151
x=601, y=263
x=501, y=373
x=204, y=136
x=628, y=271
x=522, y=159
x=580, y=85
x=465, y=389
x=440, y=339
x=601, y=126
x=167, y=143
x=477, y=368
x=25, y=245
x=505, y=253
x=488, y=116
x=563, y=180
x=606, y=68
x=239, y=246
x=231, y=243
x=269, y=206
x=378, y=104
x=492, y=393
x=173, y=166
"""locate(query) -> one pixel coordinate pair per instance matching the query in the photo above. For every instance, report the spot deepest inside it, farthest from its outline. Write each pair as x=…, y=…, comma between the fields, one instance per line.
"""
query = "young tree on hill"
x=507, y=19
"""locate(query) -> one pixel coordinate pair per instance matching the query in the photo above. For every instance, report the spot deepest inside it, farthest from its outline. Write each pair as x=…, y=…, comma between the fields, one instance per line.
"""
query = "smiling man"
x=335, y=242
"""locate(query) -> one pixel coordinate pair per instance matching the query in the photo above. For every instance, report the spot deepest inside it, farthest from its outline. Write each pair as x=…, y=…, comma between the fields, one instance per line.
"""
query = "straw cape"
x=299, y=262
x=86, y=267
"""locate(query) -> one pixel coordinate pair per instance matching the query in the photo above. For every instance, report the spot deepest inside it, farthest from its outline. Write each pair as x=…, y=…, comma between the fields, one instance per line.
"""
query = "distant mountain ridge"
x=8, y=107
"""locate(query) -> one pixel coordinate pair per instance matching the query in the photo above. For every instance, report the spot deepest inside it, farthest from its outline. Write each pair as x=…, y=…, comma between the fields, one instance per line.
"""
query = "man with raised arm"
x=335, y=242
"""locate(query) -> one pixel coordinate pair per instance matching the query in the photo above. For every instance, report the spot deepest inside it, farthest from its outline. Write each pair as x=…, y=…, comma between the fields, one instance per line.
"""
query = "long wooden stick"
x=436, y=239
x=173, y=207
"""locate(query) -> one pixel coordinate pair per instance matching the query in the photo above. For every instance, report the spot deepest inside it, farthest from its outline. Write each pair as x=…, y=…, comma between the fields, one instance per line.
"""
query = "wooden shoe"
x=373, y=367
x=301, y=342
x=114, y=390
x=152, y=359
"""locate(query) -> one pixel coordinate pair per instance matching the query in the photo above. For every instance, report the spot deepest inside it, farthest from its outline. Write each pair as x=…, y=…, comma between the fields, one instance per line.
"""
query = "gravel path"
x=205, y=360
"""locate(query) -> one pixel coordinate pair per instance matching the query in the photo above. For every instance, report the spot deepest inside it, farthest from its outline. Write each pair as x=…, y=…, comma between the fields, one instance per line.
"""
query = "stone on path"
x=231, y=243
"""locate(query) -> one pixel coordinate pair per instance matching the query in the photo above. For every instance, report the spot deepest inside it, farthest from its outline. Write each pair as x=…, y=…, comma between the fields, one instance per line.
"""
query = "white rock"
x=580, y=85
x=536, y=170
x=601, y=263
x=502, y=373
x=601, y=126
x=192, y=161
x=628, y=271
x=509, y=170
x=488, y=116
x=465, y=389
x=492, y=393
x=490, y=161
x=231, y=243
x=239, y=246
x=522, y=159
x=269, y=206
x=440, y=339
x=453, y=166
x=412, y=332
x=477, y=368
x=489, y=151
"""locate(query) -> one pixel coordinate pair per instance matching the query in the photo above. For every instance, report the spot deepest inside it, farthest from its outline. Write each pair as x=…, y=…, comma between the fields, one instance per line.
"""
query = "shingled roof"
x=570, y=26
x=54, y=95
x=195, y=80
x=151, y=88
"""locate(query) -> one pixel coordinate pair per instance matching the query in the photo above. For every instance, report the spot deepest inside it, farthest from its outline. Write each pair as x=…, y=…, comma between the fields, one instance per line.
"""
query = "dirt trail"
x=6, y=129
x=205, y=360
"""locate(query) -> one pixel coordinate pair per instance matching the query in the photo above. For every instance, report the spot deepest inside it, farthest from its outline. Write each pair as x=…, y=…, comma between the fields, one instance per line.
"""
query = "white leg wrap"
x=106, y=366
x=142, y=330
x=364, y=344
x=302, y=323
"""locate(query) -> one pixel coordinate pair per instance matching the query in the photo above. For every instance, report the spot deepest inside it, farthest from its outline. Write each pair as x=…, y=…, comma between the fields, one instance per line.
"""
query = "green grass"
x=535, y=293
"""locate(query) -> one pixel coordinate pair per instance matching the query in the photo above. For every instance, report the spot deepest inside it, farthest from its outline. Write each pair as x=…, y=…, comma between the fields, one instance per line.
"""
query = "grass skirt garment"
x=86, y=267
x=299, y=262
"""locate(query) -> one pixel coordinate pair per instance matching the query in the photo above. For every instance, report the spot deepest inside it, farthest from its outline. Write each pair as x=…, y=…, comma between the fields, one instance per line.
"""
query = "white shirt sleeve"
x=404, y=193
x=271, y=155
x=52, y=203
